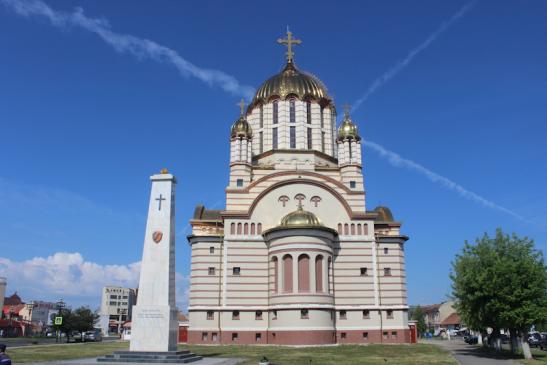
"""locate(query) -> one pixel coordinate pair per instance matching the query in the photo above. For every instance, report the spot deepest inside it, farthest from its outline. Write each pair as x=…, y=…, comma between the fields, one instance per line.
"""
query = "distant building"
x=37, y=312
x=116, y=306
x=440, y=317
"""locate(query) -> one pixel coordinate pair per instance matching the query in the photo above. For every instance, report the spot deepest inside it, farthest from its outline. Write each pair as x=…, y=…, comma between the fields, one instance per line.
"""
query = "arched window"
x=339, y=228
x=319, y=274
x=261, y=115
x=275, y=111
x=365, y=226
x=233, y=228
x=253, y=231
x=359, y=229
x=329, y=265
x=308, y=112
x=292, y=111
x=276, y=274
x=239, y=228
x=287, y=274
x=274, y=138
x=322, y=119
x=353, y=229
x=303, y=273
x=346, y=229
x=246, y=229
x=259, y=228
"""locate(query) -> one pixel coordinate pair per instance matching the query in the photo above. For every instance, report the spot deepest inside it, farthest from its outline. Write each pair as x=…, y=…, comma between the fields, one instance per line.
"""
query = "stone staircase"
x=166, y=357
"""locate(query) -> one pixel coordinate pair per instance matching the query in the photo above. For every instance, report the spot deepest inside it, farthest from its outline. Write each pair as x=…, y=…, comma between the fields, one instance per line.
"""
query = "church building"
x=296, y=258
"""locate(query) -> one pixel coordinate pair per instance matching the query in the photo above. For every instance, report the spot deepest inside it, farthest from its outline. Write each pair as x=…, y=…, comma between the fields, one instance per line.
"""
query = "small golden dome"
x=384, y=214
x=291, y=81
x=164, y=171
x=347, y=129
x=300, y=218
x=241, y=128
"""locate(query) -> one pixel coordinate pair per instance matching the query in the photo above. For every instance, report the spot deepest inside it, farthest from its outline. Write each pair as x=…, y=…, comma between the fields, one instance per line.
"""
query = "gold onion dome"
x=347, y=129
x=384, y=214
x=241, y=129
x=300, y=218
x=291, y=81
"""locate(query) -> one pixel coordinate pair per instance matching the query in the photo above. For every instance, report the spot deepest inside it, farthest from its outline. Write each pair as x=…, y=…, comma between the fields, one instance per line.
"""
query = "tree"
x=501, y=283
x=417, y=314
x=82, y=319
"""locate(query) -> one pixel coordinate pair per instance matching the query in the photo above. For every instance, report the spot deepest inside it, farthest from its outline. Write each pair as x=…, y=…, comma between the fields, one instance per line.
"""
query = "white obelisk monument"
x=154, y=321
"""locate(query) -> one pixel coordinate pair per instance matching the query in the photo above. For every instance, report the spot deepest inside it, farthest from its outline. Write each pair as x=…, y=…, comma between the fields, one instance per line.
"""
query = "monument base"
x=166, y=357
x=154, y=328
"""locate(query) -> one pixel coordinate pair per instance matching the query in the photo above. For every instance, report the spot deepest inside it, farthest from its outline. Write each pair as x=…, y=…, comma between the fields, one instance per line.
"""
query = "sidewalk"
x=469, y=354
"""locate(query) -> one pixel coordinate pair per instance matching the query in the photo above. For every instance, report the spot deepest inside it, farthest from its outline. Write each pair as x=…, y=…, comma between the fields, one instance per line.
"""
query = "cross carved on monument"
x=300, y=197
x=289, y=42
x=160, y=200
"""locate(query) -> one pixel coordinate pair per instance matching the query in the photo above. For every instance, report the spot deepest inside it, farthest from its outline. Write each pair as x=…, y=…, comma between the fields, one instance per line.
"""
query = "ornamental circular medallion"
x=157, y=236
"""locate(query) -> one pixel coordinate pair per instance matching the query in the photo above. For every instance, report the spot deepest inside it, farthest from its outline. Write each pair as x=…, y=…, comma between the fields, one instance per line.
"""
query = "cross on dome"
x=346, y=107
x=242, y=106
x=289, y=42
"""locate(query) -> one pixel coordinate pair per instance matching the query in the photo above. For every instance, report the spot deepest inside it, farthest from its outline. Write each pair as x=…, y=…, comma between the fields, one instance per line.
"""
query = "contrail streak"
x=401, y=64
x=397, y=161
x=125, y=43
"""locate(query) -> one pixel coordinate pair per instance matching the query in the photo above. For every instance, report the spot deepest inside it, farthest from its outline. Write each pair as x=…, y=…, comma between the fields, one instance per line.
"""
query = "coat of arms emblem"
x=157, y=236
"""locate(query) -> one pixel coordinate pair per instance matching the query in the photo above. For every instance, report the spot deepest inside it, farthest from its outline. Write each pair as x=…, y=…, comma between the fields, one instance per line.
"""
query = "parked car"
x=94, y=335
x=76, y=336
x=537, y=339
x=472, y=340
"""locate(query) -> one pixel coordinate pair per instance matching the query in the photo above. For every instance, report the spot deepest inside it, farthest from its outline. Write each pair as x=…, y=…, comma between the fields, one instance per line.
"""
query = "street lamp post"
x=60, y=305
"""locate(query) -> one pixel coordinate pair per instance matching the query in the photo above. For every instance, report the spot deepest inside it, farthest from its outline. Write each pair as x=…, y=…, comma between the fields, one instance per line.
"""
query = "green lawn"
x=540, y=357
x=340, y=355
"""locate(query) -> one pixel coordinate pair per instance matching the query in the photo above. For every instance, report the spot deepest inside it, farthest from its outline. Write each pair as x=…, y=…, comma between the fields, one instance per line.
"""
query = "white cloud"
x=65, y=274
x=401, y=64
x=397, y=161
x=125, y=43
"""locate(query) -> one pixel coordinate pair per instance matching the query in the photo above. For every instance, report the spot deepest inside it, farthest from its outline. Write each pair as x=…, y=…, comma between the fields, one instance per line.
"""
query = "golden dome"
x=291, y=81
x=384, y=214
x=347, y=129
x=300, y=218
x=241, y=129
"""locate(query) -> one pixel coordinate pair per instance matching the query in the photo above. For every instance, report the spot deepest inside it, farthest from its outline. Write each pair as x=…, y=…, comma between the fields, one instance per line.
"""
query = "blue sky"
x=84, y=125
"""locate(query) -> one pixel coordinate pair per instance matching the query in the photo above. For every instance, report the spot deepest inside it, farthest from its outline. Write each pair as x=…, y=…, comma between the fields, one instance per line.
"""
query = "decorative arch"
x=233, y=228
x=279, y=184
x=315, y=200
x=319, y=273
x=276, y=273
x=246, y=229
x=303, y=273
x=283, y=199
x=287, y=273
x=253, y=229
x=239, y=228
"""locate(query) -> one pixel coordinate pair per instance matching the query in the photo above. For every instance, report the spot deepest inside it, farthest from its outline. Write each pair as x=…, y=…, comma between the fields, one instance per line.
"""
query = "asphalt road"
x=469, y=354
x=26, y=341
